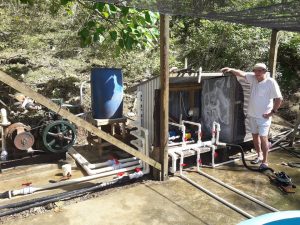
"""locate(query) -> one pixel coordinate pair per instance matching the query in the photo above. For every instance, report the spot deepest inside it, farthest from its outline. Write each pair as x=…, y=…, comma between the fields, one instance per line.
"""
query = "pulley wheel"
x=24, y=141
x=59, y=136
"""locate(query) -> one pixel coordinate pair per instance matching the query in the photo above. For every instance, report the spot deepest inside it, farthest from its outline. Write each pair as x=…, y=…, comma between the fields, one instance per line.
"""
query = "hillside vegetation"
x=41, y=45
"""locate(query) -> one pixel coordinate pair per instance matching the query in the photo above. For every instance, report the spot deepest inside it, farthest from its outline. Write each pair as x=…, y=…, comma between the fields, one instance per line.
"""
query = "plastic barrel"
x=107, y=93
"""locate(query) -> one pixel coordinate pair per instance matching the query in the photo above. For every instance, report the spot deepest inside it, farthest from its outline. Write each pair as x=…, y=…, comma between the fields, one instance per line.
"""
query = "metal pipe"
x=237, y=209
x=81, y=92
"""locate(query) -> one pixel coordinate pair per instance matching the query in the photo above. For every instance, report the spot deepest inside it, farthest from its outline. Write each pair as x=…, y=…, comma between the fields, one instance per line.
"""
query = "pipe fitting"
x=4, y=121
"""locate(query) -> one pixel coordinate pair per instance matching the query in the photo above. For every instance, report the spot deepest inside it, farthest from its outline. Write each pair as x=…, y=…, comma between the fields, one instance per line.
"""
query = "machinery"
x=52, y=134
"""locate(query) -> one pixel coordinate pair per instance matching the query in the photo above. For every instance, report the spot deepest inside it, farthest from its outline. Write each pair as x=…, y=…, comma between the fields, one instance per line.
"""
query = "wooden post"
x=164, y=86
x=74, y=119
x=156, y=142
x=273, y=52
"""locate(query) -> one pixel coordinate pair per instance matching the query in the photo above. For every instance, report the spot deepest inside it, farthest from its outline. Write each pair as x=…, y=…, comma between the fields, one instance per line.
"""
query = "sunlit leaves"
x=125, y=26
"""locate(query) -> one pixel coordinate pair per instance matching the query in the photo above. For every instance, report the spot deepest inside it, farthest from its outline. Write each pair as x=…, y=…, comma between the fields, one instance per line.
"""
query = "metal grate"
x=283, y=16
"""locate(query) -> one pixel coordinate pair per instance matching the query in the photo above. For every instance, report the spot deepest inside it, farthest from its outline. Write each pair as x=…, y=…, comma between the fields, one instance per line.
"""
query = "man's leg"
x=256, y=140
x=257, y=145
x=264, y=128
x=265, y=148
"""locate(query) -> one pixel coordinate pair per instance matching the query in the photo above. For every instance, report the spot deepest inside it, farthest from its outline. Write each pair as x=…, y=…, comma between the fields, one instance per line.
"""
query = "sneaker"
x=263, y=166
x=257, y=160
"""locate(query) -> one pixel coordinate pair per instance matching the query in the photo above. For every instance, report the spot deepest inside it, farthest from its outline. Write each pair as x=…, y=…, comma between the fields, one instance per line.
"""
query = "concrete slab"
x=177, y=202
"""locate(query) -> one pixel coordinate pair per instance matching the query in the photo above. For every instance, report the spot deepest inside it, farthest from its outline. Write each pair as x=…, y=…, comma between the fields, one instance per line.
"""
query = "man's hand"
x=267, y=115
x=226, y=70
x=235, y=72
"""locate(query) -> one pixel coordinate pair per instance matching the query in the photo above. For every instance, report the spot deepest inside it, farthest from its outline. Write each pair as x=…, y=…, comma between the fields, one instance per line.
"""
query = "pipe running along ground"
x=232, y=188
x=234, y=207
x=21, y=206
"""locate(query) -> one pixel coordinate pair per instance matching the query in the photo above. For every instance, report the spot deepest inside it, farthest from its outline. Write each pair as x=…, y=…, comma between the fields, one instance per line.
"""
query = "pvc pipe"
x=81, y=92
x=232, y=188
x=237, y=209
x=110, y=162
x=179, y=143
x=283, y=137
x=4, y=121
x=182, y=127
x=195, y=124
x=4, y=124
x=238, y=191
x=85, y=164
x=30, y=190
x=174, y=159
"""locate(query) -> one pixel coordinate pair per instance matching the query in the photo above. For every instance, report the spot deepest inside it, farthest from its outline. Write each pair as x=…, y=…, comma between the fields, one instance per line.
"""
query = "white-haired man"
x=265, y=100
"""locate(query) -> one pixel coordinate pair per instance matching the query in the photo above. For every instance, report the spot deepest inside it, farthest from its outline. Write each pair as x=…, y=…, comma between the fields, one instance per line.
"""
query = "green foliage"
x=288, y=64
x=125, y=26
x=214, y=45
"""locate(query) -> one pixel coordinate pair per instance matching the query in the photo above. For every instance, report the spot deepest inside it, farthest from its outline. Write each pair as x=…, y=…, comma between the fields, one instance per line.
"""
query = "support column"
x=164, y=86
x=273, y=52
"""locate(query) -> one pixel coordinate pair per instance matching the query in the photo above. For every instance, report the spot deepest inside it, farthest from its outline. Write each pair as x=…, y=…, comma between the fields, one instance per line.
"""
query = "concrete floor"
x=178, y=202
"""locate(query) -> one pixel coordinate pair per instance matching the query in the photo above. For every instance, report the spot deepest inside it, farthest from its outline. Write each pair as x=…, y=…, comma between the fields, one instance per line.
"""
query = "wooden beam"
x=164, y=86
x=273, y=52
x=74, y=119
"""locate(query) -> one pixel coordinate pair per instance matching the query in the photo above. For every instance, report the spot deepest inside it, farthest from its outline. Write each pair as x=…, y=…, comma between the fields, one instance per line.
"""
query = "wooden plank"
x=273, y=52
x=76, y=120
x=164, y=86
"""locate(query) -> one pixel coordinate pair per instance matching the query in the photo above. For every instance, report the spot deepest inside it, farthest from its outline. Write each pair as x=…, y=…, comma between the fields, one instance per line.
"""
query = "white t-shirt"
x=262, y=95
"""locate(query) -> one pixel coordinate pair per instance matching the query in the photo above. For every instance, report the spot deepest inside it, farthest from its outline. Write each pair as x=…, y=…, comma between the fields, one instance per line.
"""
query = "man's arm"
x=277, y=104
x=235, y=72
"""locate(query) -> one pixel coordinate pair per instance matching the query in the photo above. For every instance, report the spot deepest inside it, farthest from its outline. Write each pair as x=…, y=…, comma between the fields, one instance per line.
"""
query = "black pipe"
x=244, y=161
x=21, y=206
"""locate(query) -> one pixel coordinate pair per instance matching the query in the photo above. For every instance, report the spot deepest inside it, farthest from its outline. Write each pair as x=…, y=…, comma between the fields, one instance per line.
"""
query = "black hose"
x=27, y=202
x=21, y=206
x=244, y=161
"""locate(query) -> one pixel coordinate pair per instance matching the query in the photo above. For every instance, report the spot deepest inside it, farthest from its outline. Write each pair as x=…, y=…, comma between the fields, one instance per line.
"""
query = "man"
x=265, y=100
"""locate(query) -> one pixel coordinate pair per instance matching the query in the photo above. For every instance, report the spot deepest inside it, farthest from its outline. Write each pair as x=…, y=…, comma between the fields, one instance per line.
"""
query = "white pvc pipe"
x=182, y=127
x=237, y=209
x=110, y=162
x=283, y=137
x=238, y=191
x=232, y=188
x=4, y=124
x=195, y=124
x=30, y=189
x=86, y=165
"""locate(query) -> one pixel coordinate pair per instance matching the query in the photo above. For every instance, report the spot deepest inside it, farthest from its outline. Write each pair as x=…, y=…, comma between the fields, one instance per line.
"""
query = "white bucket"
x=67, y=170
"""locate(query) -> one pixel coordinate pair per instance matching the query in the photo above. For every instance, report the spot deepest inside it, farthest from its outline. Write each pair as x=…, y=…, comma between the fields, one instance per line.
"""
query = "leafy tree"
x=109, y=23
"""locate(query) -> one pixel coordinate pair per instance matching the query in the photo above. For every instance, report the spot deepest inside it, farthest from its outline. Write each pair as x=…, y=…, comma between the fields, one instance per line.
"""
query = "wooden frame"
x=74, y=119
